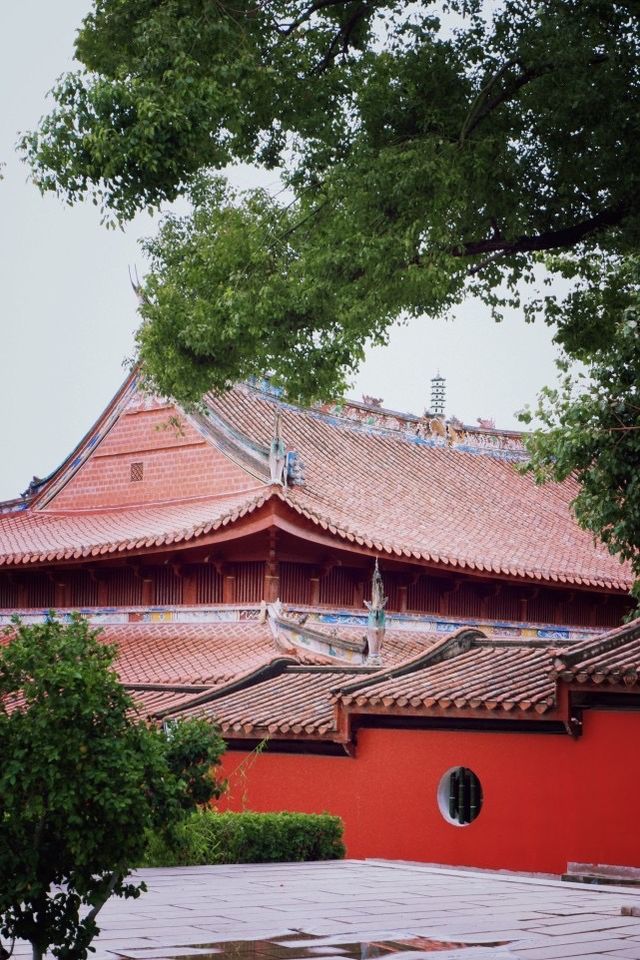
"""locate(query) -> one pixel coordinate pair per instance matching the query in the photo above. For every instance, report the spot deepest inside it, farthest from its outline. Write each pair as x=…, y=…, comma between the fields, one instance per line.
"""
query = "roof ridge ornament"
x=285, y=467
x=377, y=619
x=277, y=456
x=136, y=285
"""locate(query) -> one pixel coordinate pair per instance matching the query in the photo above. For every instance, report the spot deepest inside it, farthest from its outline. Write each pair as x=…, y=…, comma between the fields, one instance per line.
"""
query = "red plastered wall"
x=548, y=799
x=177, y=463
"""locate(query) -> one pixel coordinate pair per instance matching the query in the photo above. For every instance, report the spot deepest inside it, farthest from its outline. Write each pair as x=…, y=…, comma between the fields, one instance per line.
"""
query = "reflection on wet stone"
x=297, y=949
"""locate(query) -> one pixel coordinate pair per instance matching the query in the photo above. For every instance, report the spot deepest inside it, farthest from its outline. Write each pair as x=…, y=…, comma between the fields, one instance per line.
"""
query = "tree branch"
x=481, y=96
x=309, y=12
x=477, y=116
x=550, y=239
x=343, y=34
x=93, y=913
x=478, y=112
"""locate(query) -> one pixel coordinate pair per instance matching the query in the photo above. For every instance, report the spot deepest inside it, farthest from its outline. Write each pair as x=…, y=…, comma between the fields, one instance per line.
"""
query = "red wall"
x=548, y=798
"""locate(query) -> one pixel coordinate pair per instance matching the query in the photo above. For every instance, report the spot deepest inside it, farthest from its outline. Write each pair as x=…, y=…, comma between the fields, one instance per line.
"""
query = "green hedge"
x=210, y=837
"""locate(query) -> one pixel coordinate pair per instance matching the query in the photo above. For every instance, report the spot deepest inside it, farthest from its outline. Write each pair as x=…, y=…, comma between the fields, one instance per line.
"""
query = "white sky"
x=68, y=313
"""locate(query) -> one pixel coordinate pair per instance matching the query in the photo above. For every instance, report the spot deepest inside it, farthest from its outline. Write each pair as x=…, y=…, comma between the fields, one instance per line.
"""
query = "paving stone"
x=629, y=954
x=353, y=901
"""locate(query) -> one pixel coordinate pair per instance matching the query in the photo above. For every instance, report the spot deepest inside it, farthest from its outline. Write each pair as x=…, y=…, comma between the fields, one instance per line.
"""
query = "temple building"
x=387, y=618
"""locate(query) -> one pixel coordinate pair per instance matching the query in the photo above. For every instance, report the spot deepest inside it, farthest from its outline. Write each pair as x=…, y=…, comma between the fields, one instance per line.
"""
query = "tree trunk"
x=36, y=952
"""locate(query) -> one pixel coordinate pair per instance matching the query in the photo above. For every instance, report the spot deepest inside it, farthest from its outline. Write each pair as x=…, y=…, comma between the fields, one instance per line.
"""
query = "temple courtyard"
x=358, y=910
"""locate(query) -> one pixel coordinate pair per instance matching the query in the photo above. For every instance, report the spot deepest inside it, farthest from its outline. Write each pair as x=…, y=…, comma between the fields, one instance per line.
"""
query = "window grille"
x=460, y=796
x=137, y=471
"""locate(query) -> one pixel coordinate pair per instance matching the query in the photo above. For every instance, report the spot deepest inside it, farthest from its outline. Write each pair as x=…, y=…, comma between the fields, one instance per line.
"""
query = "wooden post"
x=23, y=595
x=526, y=599
x=488, y=593
x=358, y=594
x=445, y=598
x=524, y=609
x=103, y=592
x=314, y=590
x=272, y=570
x=60, y=596
x=59, y=589
x=228, y=587
x=147, y=591
x=189, y=589
x=403, y=589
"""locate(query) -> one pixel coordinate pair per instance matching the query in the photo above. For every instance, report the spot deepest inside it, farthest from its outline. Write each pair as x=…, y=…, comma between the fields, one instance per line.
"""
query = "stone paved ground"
x=345, y=902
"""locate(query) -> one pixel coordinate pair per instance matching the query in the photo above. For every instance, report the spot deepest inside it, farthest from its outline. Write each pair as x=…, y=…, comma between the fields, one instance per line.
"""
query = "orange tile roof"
x=33, y=536
x=167, y=665
x=152, y=701
x=387, y=490
x=613, y=657
x=398, y=644
x=400, y=495
x=186, y=653
x=296, y=702
x=344, y=640
x=464, y=671
x=490, y=675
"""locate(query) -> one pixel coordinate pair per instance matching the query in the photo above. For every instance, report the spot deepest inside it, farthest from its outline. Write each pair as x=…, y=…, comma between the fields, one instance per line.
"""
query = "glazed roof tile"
x=154, y=700
x=185, y=653
x=460, y=672
x=613, y=657
x=396, y=494
x=489, y=675
x=167, y=666
x=33, y=536
x=390, y=491
x=400, y=645
x=297, y=702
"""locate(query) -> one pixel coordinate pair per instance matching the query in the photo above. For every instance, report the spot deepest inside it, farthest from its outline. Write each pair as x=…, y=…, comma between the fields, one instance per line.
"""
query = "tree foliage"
x=590, y=424
x=82, y=781
x=427, y=150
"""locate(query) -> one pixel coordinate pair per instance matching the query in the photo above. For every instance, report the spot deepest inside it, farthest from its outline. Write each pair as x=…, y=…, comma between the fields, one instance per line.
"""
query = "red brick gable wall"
x=177, y=463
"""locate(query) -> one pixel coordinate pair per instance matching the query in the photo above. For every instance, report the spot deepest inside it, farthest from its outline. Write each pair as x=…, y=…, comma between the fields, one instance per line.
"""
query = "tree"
x=82, y=780
x=427, y=151
x=590, y=423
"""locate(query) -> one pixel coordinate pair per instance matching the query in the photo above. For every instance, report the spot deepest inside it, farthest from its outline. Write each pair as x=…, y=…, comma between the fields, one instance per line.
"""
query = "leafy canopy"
x=427, y=151
x=82, y=782
x=590, y=423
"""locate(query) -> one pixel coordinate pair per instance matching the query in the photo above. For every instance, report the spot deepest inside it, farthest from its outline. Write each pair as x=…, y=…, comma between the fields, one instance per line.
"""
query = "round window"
x=460, y=796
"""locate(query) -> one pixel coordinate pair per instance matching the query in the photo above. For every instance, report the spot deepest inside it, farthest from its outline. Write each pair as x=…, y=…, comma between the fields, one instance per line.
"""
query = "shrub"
x=209, y=837
x=82, y=781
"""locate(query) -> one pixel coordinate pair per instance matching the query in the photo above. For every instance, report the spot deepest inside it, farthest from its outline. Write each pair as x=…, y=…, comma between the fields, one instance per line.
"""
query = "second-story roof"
x=413, y=489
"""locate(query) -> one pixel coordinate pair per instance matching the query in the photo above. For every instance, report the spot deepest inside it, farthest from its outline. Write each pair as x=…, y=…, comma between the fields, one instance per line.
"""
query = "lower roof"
x=261, y=679
x=463, y=675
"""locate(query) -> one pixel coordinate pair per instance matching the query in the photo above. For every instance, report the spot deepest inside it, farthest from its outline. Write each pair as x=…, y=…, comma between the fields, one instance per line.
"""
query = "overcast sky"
x=68, y=313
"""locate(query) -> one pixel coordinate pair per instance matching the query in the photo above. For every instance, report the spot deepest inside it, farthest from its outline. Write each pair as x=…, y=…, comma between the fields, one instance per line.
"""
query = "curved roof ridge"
x=428, y=429
x=593, y=649
x=451, y=645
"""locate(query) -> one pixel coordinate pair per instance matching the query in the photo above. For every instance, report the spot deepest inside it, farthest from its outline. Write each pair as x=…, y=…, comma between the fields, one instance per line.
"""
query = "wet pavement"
x=362, y=910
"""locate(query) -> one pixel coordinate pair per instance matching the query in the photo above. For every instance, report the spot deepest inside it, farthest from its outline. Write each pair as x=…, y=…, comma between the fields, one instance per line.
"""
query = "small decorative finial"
x=376, y=621
x=134, y=280
x=277, y=456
